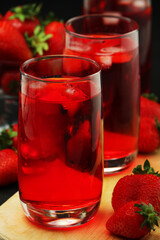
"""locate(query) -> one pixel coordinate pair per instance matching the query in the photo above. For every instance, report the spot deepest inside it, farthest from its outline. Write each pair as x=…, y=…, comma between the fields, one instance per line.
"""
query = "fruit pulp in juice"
x=141, y=12
x=60, y=155
x=120, y=84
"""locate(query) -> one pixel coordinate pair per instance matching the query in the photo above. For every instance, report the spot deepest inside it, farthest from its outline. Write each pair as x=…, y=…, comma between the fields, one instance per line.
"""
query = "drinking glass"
x=60, y=140
x=113, y=43
x=140, y=11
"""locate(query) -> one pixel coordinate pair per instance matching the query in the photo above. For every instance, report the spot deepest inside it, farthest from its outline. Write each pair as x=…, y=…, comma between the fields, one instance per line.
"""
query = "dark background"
x=64, y=9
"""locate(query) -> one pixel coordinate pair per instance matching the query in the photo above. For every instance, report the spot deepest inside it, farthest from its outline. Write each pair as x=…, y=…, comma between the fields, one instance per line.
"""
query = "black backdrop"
x=64, y=9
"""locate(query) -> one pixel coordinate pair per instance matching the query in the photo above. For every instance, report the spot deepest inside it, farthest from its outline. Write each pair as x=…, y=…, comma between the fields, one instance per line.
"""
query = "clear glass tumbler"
x=141, y=12
x=113, y=42
x=60, y=140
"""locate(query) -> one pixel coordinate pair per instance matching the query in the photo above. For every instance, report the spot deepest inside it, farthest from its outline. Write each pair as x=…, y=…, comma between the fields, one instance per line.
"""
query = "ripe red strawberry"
x=8, y=137
x=8, y=166
x=56, y=42
x=10, y=82
x=24, y=17
x=149, y=135
x=149, y=108
x=13, y=46
x=144, y=185
x=133, y=220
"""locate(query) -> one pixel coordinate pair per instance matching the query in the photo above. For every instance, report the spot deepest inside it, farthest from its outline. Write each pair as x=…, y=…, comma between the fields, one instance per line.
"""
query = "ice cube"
x=31, y=88
x=104, y=60
x=111, y=20
x=74, y=95
x=112, y=50
x=139, y=3
x=125, y=2
x=80, y=46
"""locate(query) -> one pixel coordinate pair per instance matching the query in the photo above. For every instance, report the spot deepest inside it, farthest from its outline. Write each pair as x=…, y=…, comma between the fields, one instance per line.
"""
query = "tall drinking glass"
x=60, y=140
x=113, y=43
x=140, y=11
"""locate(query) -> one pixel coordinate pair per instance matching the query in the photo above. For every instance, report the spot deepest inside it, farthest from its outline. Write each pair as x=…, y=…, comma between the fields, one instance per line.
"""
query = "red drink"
x=60, y=155
x=140, y=11
x=119, y=58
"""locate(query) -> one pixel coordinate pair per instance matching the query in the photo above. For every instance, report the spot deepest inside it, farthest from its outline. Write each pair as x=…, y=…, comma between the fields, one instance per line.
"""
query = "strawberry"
x=133, y=220
x=56, y=42
x=8, y=137
x=24, y=17
x=144, y=185
x=8, y=166
x=149, y=107
x=149, y=135
x=10, y=82
x=13, y=46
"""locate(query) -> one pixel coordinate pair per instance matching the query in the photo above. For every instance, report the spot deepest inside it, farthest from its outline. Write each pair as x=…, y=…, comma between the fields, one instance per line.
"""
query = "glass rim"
x=54, y=80
x=123, y=35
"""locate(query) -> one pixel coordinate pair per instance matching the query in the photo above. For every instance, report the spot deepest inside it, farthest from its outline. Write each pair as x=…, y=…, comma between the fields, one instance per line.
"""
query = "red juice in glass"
x=140, y=11
x=60, y=148
x=118, y=56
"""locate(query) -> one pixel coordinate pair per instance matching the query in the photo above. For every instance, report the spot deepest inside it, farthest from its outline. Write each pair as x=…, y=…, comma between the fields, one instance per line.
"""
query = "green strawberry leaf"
x=6, y=138
x=50, y=17
x=38, y=42
x=150, y=96
x=27, y=11
x=147, y=169
x=151, y=217
x=157, y=124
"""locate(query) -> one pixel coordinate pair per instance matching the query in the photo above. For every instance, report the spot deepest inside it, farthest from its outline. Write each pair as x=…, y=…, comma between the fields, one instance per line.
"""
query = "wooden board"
x=15, y=226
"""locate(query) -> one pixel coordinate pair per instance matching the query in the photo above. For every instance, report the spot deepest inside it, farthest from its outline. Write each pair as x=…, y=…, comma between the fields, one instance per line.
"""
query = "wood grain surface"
x=15, y=226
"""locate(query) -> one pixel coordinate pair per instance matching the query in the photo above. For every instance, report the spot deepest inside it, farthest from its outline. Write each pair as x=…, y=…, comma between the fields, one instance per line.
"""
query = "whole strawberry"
x=149, y=106
x=13, y=46
x=144, y=185
x=24, y=18
x=8, y=166
x=149, y=135
x=133, y=220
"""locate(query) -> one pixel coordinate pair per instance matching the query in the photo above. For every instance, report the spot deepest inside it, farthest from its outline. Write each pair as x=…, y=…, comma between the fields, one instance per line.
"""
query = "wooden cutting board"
x=15, y=226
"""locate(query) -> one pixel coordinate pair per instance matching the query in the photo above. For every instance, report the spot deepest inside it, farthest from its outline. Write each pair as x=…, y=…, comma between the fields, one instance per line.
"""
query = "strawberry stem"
x=38, y=42
x=151, y=217
x=48, y=19
x=147, y=169
x=157, y=124
x=150, y=96
x=6, y=138
x=27, y=11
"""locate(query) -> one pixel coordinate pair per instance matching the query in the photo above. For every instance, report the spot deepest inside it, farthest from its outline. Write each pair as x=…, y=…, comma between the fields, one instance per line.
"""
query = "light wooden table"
x=15, y=226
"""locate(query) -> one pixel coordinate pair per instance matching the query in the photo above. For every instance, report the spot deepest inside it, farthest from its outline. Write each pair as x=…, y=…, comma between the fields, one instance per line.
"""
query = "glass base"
x=60, y=219
x=118, y=164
